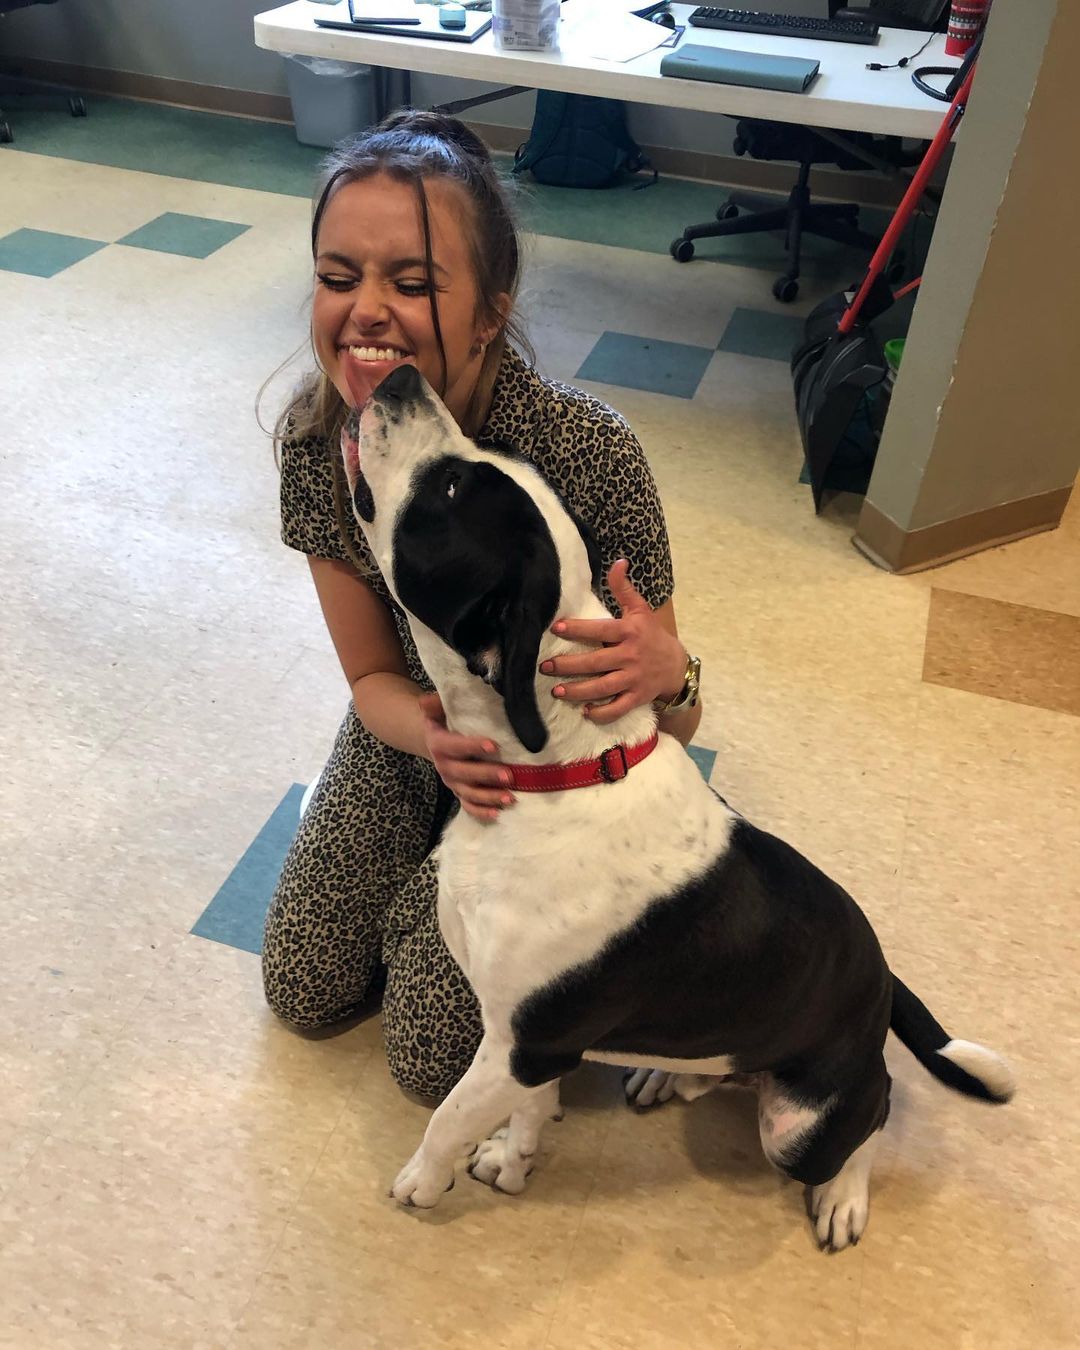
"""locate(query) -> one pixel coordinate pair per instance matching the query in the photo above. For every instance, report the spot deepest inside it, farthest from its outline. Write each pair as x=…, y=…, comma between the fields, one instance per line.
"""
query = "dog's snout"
x=402, y=385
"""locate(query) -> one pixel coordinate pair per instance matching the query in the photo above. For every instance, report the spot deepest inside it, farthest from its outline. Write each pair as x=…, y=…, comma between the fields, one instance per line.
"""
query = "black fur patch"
x=363, y=501
x=475, y=562
x=762, y=958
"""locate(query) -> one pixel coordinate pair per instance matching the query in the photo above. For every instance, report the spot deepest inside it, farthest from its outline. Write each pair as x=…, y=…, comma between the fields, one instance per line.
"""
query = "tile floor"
x=178, y=1170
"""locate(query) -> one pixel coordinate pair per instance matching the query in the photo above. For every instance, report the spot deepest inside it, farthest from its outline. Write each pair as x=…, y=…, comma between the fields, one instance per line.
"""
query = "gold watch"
x=687, y=696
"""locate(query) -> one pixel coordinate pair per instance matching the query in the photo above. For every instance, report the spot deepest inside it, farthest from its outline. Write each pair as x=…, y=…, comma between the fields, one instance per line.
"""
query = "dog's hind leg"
x=506, y=1159
x=829, y=1146
x=487, y=1094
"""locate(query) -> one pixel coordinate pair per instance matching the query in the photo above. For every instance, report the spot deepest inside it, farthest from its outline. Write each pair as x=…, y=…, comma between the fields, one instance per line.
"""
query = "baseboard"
x=895, y=549
x=153, y=88
x=867, y=189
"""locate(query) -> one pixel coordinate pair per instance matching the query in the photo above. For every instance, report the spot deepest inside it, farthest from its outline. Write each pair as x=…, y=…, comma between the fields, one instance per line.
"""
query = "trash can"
x=330, y=99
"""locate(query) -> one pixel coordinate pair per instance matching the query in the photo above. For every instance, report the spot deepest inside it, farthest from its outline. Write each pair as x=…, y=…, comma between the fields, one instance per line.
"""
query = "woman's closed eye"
x=334, y=282
x=409, y=287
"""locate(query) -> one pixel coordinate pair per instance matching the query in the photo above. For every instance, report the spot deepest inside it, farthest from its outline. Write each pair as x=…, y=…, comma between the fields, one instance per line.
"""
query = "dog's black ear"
x=500, y=637
x=523, y=626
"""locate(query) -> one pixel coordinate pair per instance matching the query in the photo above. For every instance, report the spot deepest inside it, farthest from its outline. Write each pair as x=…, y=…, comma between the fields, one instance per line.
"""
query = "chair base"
x=829, y=220
x=33, y=93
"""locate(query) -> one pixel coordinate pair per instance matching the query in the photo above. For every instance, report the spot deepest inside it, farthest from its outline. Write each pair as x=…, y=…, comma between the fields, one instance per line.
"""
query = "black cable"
x=920, y=83
x=904, y=60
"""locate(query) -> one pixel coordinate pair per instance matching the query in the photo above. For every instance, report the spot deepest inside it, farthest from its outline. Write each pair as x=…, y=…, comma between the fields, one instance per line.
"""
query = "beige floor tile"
x=515, y=1248
x=17, y=1147
x=594, y=288
x=63, y=956
x=205, y=1082
x=90, y=1255
x=314, y=1293
x=952, y=1266
x=700, y=1247
x=43, y=1065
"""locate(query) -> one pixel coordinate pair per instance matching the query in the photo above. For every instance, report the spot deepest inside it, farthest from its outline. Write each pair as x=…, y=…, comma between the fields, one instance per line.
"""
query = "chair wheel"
x=682, y=250
x=6, y=134
x=77, y=106
x=727, y=212
x=785, y=289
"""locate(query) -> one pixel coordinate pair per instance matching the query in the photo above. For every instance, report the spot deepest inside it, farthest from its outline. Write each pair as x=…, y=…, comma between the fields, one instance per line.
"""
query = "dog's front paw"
x=499, y=1166
x=421, y=1183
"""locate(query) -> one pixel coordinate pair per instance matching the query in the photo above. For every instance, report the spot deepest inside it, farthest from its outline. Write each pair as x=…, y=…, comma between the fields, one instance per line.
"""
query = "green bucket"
x=894, y=353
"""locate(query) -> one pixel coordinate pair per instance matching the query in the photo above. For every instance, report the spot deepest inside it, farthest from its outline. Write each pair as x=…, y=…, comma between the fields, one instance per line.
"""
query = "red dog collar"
x=610, y=767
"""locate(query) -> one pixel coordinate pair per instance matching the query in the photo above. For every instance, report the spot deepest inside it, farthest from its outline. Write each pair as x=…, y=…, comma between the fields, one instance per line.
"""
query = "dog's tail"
x=962, y=1065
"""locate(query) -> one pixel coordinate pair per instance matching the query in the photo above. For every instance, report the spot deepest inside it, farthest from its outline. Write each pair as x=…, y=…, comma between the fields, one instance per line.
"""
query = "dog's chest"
x=548, y=885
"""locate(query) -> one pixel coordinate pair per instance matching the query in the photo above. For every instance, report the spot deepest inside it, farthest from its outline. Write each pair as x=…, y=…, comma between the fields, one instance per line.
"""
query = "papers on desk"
x=607, y=31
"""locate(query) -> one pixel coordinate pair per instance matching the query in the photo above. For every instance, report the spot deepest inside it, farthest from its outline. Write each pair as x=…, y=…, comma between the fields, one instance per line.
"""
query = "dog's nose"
x=402, y=385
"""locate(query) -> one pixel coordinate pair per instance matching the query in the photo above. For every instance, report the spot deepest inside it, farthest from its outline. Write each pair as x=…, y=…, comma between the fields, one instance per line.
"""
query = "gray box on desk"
x=330, y=99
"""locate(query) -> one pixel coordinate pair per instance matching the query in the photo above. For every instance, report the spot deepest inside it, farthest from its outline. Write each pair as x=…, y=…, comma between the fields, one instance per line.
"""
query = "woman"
x=417, y=260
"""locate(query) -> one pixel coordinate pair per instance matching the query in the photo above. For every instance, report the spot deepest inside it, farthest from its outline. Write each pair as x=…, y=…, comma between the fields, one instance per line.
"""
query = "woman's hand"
x=466, y=764
x=641, y=659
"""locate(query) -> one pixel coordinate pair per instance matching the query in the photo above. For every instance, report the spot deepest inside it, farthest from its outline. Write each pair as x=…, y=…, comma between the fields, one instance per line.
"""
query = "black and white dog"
x=639, y=922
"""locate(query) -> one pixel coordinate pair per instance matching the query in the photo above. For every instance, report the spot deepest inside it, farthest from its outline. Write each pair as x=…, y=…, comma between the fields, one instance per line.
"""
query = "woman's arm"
x=682, y=724
x=389, y=703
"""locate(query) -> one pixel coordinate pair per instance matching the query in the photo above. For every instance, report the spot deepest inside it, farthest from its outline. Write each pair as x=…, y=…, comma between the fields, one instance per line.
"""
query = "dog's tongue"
x=362, y=382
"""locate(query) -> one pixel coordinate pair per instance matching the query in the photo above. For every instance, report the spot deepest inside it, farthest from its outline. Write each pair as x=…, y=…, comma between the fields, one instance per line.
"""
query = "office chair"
x=14, y=86
x=807, y=146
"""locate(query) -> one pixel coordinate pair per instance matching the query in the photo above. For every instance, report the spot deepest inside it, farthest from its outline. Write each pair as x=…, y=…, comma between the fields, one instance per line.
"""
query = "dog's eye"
x=450, y=484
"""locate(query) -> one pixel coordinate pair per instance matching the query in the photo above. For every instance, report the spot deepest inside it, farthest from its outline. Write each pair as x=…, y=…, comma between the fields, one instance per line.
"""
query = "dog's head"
x=475, y=545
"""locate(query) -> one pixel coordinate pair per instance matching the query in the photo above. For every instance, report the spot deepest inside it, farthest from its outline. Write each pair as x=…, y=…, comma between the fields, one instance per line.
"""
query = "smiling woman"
x=416, y=261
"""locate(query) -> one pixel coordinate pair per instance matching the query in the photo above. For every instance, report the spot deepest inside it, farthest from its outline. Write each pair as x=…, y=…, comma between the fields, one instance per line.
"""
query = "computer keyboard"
x=784, y=25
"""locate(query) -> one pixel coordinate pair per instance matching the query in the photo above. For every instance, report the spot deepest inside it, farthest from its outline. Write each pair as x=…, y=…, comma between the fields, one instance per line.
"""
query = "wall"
x=983, y=436
x=200, y=41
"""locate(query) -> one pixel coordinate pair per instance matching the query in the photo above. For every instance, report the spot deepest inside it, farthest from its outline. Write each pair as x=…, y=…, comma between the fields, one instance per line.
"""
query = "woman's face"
x=372, y=311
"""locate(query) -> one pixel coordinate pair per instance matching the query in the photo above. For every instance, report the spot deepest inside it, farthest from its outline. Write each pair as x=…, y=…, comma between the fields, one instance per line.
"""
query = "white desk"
x=845, y=95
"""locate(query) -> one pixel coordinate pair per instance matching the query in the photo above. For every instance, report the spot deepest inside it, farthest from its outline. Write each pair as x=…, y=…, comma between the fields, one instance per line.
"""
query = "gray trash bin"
x=330, y=99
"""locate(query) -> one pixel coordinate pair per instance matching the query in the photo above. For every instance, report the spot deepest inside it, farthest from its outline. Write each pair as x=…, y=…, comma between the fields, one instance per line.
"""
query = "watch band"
x=687, y=696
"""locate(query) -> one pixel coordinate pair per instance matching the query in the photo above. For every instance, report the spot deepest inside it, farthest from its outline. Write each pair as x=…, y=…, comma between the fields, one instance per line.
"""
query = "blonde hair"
x=412, y=147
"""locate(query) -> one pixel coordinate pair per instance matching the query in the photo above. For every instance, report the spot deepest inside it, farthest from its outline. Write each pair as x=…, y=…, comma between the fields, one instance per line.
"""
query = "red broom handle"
x=910, y=201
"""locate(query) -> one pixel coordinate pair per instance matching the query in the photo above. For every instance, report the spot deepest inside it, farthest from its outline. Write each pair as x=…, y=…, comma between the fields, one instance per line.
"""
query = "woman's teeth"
x=377, y=354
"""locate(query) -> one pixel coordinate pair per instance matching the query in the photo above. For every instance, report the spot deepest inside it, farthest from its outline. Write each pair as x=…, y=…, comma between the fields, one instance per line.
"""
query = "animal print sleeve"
x=308, y=522
x=628, y=519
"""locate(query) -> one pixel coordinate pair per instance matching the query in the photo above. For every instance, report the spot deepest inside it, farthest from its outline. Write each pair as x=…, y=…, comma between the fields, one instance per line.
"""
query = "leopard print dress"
x=354, y=910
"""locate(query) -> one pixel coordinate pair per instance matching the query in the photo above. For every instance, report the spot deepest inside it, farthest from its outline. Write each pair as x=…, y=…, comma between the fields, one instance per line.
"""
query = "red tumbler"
x=966, y=18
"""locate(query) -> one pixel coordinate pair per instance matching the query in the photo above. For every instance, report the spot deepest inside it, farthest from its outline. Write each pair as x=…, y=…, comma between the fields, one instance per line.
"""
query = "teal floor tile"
x=191, y=236
x=704, y=759
x=757, y=332
x=40, y=253
x=236, y=915
x=673, y=368
x=178, y=142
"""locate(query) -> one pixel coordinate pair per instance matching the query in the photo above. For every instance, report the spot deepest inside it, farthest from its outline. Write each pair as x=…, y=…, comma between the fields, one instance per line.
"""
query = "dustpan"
x=840, y=357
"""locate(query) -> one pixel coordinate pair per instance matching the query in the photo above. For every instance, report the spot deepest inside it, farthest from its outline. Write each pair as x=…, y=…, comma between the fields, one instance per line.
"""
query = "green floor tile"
x=757, y=332
x=40, y=253
x=191, y=236
x=673, y=368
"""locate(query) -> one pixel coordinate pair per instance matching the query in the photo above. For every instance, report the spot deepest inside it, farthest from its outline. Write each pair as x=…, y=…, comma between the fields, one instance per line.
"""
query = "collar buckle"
x=613, y=765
